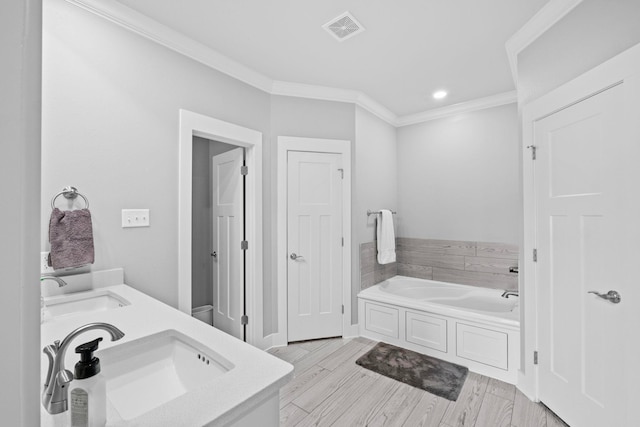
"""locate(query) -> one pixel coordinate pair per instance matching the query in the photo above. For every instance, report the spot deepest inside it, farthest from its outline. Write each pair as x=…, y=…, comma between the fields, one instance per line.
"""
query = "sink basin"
x=148, y=372
x=83, y=302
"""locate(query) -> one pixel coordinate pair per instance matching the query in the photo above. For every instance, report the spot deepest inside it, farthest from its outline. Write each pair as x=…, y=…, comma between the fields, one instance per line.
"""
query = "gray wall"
x=110, y=128
x=303, y=118
x=458, y=177
x=202, y=219
x=375, y=185
x=596, y=30
x=20, y=45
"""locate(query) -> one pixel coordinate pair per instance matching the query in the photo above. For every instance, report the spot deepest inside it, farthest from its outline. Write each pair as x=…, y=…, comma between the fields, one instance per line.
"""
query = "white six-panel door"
x=228, y=275
x=314, y=241
x=581, y=193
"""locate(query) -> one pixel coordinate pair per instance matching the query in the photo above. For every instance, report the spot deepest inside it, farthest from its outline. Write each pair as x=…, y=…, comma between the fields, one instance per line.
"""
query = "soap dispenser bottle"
x=88, y=390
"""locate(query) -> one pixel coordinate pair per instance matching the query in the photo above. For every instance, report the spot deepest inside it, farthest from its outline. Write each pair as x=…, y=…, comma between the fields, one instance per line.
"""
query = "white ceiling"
x=410, y=48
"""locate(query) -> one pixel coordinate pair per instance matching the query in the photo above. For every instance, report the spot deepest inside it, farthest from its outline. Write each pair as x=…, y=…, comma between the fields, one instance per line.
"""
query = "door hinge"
x=535, y=357
x=244, y=170
x=533, y=151
x=244, y=320
x=341, y=173
x=244, y=245
x=535, y=255
x=342, y=308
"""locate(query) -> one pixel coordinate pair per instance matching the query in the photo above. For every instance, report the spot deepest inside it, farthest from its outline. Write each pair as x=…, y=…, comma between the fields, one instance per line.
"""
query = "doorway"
x=314, y=239
x=194, y=124
x=580, y=175
x=217, y=261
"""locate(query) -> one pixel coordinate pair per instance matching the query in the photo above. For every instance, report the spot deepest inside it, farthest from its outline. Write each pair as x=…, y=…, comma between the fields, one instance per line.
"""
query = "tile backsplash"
x=469, y=263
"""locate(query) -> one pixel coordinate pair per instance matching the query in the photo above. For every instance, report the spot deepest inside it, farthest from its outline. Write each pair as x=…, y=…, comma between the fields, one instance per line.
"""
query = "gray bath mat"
x=436, y=376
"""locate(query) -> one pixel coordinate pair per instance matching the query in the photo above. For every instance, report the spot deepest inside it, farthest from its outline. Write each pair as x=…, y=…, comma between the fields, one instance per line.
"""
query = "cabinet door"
x=381, y=319
x=482, y=345
x=426, y=331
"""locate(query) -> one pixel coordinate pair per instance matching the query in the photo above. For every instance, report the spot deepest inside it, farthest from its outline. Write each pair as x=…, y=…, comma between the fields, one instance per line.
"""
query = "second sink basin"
x=145, y=373
x=83, y=302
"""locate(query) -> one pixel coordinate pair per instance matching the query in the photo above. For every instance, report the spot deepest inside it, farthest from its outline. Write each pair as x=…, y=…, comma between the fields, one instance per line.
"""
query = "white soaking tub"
x=468, y=325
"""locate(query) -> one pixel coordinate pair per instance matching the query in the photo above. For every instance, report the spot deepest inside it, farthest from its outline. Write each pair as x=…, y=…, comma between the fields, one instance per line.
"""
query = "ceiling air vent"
x=343, y=27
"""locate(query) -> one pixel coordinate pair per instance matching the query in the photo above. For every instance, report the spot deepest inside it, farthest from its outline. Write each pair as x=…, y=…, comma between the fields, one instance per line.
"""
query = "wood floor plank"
x=553, y=420
x=527, y=413
x=311, y=359
x=323, y=389
x=290, y=353
x=345, y=354
x=495, y=411
x=398, y=408
x=370, y=403
x=313, y=345
x=343, y=399
x=352, y=396
x=291, y=415
x=501, y=389
x=301, y=383
x=428, y=412
x=465, y=410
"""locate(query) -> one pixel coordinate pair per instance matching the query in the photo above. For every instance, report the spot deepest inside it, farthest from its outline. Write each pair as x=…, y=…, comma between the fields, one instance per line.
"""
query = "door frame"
x=604, y=76
x=194, y=124
x=317, y=145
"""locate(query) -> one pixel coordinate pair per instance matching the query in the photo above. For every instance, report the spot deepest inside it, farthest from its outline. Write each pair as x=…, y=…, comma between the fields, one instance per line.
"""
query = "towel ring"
x=70, y=193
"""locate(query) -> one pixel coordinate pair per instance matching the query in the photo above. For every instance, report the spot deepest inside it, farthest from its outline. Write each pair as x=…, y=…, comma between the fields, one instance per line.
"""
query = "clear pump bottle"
x=88, y=389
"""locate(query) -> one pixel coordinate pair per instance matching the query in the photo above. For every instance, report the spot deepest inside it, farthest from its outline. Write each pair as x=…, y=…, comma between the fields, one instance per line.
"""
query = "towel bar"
x=370, y=212
x=70, y=193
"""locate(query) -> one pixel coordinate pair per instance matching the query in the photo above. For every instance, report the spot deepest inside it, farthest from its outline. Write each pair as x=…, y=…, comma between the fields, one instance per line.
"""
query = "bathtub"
x=468, y=325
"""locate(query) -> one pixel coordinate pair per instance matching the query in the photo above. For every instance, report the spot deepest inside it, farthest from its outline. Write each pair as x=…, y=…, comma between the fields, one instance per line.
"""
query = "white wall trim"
x=144, y=26
x=334, y=94
x=546, y=18
x=593, y=81
x=461, y=108
x=194, y=124
x=285, y=144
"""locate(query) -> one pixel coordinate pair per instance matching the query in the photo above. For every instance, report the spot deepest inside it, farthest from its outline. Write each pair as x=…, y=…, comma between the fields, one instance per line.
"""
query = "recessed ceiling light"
x=440, y=94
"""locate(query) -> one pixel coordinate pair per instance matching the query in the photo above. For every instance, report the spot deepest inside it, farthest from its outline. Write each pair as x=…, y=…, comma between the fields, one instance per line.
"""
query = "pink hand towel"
x=71, y=238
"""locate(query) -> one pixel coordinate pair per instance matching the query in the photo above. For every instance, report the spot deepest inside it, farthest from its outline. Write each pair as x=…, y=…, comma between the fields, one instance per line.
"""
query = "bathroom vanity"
x=169, y=368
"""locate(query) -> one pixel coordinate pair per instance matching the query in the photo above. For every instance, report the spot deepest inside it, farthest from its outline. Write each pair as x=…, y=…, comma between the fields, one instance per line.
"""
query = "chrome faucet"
x=55, y=394
x=507, y=294
x=58, y=280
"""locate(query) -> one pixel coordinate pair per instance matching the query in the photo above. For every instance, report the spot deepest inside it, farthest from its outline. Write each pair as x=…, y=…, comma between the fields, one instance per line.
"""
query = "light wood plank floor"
x=329, y=389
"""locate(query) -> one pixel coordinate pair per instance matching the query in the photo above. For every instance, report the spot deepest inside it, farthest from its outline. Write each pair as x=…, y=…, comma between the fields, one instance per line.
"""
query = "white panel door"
x=584, y=200
x=228, y=270
x=314, y=241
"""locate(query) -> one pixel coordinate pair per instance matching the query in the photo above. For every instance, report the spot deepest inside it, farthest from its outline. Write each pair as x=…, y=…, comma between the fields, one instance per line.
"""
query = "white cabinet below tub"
x=381, y=320
x=486, y=347
x=426, y=331
x=482, y=345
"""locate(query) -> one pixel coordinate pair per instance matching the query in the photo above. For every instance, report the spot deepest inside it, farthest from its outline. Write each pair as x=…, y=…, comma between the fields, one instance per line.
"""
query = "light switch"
x=135, y=218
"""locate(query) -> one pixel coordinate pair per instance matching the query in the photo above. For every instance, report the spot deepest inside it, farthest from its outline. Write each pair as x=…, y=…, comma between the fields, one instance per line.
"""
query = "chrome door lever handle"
x=612, y=296
x=294, y=257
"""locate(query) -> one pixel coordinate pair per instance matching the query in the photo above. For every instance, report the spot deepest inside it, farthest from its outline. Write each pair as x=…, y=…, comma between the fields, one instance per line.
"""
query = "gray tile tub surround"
x=484, y=264
x=370, y=271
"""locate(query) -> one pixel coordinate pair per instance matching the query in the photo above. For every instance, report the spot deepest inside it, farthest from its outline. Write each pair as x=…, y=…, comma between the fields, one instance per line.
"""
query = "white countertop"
x=256, y=374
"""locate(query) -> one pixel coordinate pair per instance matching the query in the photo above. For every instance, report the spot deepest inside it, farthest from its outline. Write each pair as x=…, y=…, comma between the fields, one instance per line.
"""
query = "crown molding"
x=146, y=27
x=540, y=23
x=455, y=109
x=326, y=93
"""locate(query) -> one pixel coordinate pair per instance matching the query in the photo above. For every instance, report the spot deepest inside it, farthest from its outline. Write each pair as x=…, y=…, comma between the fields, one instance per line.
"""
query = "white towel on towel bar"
x=386, y=238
